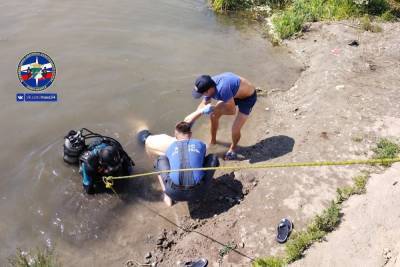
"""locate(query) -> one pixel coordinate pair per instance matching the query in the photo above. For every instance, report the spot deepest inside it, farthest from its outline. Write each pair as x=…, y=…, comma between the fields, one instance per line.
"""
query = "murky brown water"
x=119, y=64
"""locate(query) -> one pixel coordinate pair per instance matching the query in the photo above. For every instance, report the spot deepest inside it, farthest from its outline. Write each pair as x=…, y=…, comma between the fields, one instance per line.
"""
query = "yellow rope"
x=108, y=181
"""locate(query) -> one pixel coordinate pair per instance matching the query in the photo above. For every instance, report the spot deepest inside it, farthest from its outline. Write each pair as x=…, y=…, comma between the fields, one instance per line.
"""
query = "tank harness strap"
x=185, y=178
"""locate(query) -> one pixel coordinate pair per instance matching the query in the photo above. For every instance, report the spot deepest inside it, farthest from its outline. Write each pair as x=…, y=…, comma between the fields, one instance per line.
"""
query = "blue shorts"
x=246, y=105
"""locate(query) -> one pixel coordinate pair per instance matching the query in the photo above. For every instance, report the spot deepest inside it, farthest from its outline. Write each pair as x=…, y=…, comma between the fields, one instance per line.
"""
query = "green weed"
x=269, y=262
x=359, y=187
x=367, y=25
x=38, y=258
x=386, y=149
x=327, y=221
x=388, y=16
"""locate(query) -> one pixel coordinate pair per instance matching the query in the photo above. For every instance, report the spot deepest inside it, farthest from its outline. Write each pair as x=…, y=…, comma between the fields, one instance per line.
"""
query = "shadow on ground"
x=266, y=149
x=224, y=193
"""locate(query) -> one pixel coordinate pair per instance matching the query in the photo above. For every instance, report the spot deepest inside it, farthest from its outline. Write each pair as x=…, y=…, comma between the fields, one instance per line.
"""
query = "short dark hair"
x=183, y=127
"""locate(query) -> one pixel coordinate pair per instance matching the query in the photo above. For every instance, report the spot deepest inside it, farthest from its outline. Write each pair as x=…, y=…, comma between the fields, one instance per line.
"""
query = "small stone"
x=165, y=244
x=242, y=245
x=129, y=263
x=266, y=109
x=255, y=183
x=147, y=261
x=148, y=255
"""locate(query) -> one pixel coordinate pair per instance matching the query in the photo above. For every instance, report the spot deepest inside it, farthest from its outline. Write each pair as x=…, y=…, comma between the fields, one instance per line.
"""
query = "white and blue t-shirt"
x=186, y=154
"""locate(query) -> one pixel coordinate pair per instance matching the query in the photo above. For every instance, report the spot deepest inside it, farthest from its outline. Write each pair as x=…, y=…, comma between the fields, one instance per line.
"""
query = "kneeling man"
x=181, y=152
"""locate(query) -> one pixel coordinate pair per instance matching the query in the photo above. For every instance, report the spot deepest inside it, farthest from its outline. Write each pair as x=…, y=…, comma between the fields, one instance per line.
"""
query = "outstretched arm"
x=192, y=117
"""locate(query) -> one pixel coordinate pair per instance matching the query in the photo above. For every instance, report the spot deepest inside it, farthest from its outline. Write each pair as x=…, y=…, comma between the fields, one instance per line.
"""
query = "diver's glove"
x=207, y=110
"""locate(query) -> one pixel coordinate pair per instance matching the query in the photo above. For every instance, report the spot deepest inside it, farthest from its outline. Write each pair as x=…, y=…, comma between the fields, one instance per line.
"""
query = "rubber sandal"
x=142, y=136
x=284, y=228
x=230, y=155
x=197, y=263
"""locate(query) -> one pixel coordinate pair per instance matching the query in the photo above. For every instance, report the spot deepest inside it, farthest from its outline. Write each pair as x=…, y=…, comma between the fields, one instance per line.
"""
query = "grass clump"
x=359, y=187
x=388, y=16
x=322, y=224
x=386, y=149
x=38, y=258
x=367, y=25
x=270, y=262
x=291, y=20
x=297, y=244
x=327, y=221
x=234, y=5
x=228, y=5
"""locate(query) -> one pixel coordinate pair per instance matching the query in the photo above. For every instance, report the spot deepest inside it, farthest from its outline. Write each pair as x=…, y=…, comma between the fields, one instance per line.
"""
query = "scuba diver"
x=104, y=156
x=181, y=152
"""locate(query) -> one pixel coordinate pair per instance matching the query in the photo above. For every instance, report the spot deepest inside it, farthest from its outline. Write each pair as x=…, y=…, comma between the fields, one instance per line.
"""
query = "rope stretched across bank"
x=108, y=180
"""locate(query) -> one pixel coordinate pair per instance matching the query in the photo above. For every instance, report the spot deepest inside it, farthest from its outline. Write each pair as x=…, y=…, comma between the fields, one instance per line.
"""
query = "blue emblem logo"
x=36, y=71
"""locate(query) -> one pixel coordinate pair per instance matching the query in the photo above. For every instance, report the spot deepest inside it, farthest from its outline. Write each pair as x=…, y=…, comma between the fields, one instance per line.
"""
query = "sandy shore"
x=346, y=98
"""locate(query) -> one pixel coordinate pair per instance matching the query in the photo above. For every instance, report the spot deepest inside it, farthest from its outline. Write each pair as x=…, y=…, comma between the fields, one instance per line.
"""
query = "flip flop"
x=284, y=228
x=230, y=155
x=197, y=263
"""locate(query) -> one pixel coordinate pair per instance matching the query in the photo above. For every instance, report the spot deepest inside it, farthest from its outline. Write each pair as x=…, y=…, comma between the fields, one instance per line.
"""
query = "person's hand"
x=207, y=110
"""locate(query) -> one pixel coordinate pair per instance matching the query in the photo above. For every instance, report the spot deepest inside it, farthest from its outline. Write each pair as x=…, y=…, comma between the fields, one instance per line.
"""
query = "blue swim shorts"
x=246, y=105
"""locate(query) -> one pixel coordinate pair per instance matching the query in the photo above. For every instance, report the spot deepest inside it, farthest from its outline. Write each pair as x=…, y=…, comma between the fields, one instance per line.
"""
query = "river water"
x=120, y=64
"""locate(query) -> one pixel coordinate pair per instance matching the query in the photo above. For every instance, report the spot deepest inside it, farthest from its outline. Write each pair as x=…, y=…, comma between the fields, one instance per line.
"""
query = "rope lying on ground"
x=108, y=180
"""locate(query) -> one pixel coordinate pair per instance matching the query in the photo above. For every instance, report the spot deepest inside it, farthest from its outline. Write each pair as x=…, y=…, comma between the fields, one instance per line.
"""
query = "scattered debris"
x=387, y=255
x=225, y=250
x=335, y=51
x=324, y=135
x=354, y=43
x=261, y=91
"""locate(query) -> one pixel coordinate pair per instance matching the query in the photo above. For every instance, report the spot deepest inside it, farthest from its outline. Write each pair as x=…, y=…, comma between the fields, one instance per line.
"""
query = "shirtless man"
x=230, y=90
